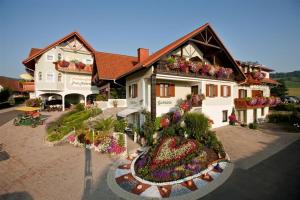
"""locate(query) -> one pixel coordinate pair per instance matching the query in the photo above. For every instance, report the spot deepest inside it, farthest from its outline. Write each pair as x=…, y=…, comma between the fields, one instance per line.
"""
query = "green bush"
x=120, y=125
x=169, y=131
x=149, y=127
x=157, y=123
x=196, y=125
x=287, y=107
x=210, y=140
x=79, y=107
x=5, y=94
x=279, y=117
x=253, y=125
x=105, y=125
x=121, y=140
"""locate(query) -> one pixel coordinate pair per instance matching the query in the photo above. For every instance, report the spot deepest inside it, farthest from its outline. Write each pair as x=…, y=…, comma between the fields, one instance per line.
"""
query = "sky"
x=267, y=31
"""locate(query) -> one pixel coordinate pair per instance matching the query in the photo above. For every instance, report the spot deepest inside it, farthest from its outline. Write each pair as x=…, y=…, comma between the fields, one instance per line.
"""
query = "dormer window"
x=50, y=57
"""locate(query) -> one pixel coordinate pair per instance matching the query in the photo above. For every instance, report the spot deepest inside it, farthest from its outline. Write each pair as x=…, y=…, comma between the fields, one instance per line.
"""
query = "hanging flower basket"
x=63, y=63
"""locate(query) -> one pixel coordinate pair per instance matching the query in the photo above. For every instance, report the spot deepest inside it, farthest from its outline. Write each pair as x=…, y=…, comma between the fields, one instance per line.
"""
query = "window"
x=59, y=57
x=50, y=57
x=165, y=90
x=211, y=90
x=133, y=90
x=242, y=93
x=225, y=91
x=40, y=76
x=88, y=61
x=225, y=115
x=50, y=76
x=262, y=111
x=59, y=77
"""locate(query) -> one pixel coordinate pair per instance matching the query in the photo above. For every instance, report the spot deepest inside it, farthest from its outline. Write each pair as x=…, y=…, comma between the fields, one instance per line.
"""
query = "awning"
x=127, y=111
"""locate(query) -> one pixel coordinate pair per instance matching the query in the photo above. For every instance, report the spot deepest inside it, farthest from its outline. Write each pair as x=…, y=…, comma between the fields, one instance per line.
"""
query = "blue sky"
x=267, y=31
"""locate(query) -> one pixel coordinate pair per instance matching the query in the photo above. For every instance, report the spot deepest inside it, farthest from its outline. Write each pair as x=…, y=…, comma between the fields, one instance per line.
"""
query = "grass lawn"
x=294, y=91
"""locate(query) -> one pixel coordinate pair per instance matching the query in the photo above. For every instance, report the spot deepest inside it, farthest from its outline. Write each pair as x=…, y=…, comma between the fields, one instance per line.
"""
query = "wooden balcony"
x=28, y=86
x=253, y=103
x=170, y=69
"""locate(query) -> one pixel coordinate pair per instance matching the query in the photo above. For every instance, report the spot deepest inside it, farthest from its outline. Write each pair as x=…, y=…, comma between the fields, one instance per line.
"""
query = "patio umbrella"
x=26, y=77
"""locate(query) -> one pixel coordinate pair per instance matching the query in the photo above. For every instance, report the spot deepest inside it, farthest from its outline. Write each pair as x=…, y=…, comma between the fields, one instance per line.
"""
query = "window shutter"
x=229, y=91
x=136, y=90
x=222, y=90
x=129, y=92
x=172, y=90
x=240, y=93
x=157, y=90
x=207, y=90
x=216, y=90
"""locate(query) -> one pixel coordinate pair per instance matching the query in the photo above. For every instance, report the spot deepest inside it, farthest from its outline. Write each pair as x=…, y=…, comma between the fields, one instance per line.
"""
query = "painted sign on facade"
x=81, y=82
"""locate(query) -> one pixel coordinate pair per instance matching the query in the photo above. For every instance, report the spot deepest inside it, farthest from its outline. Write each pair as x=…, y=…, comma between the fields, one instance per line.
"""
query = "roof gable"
x=188, y=37
x=34, y=53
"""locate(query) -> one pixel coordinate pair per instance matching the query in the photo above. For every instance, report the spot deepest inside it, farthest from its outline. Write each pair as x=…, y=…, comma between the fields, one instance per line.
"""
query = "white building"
x=156, y=83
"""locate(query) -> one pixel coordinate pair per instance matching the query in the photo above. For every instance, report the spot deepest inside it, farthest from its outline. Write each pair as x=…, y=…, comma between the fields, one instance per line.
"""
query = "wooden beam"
x=206, y=44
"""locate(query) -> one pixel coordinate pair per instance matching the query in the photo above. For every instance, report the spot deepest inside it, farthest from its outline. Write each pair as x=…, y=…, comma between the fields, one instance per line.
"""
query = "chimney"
x=142, y=54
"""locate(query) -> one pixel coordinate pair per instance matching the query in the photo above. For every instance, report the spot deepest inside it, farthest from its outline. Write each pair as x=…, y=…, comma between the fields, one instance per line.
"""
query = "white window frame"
x=90, y=61
x=47, y=77
x=40, y=76
x=47, y=58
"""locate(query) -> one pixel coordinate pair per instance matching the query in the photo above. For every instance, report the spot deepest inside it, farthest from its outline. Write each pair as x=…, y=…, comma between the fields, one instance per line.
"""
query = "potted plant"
x=79, y=65
x=115, y=103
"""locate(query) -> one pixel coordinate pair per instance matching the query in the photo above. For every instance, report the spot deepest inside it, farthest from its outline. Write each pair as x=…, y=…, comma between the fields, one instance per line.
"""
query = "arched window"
x=59, y=77
x=40, y=76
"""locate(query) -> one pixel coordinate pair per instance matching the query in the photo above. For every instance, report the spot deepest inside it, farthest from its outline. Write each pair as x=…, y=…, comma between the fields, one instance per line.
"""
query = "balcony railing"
x=28, y=86
x=256, y=102
x=195, y=69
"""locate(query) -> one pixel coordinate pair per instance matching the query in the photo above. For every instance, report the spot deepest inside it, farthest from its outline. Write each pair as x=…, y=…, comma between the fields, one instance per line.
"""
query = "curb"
x=206, y=189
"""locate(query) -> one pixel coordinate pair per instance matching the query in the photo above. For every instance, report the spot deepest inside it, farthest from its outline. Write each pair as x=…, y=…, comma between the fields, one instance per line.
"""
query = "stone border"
x=209, y=168
x=193, y=195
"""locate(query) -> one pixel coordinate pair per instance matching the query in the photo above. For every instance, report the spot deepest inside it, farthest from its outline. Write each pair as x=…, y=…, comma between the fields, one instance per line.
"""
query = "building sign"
x=80, y=82
x=164, y=102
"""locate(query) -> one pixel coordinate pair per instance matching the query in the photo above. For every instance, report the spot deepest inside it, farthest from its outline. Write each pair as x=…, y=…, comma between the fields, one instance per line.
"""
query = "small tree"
x=149, y=127
x=280, y=90
x=5, y=94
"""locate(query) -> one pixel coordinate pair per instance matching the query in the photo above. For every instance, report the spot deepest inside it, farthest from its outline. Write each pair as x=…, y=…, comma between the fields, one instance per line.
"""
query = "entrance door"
x=242, y=116
x=194, y=89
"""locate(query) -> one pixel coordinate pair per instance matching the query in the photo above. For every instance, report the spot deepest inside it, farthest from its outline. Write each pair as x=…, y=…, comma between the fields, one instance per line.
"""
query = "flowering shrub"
x=185, y=106
x=115, y=148
x=176, y=117
x=164, y=122
x=232, y=119
x=36, y=102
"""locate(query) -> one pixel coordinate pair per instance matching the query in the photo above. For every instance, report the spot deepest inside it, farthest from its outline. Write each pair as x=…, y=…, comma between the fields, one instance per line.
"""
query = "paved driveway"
x=36, y=171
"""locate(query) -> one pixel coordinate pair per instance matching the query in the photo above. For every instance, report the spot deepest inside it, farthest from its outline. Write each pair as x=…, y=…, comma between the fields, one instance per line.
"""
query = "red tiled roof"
x=34, y=51
x=11, y=83
x=155, y=56
x=111, y=66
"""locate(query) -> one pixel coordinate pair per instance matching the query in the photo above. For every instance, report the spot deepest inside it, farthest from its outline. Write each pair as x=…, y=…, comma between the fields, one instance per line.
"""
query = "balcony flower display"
x=228, y=72
x=205, y=69
x=194, y=66
x=221, y=72
x=212, y=70
x=257, y=75
x=251, y=101
x=271, y=101
x=63, y=63
x=79, y=65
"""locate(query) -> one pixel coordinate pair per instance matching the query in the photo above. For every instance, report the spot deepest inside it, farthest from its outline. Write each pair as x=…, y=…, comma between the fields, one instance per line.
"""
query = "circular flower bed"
x=174, y=158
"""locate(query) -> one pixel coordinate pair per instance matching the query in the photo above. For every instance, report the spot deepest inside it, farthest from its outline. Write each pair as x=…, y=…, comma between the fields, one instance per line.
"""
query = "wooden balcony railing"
x=258, y=102
x=28, y=86
x=195, y=70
